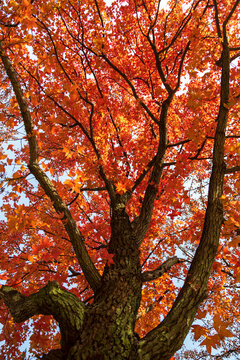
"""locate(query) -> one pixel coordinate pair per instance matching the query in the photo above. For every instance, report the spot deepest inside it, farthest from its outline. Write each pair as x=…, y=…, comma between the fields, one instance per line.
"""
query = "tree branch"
x=61, y=208
x=179, y=143
x=93, y=189
x=9, y=25
x=231, y=13
x=142, y=222
x=232, y=170
x=234, y=48
x=160, y=270
x=181, y=66
x=143, y=174
x=65, y=307
x=217, y=19
x=199, y=150
x=168, y=336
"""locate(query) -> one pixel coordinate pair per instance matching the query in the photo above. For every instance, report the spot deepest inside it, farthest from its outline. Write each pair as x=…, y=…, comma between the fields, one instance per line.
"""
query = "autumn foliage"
x=120, y=159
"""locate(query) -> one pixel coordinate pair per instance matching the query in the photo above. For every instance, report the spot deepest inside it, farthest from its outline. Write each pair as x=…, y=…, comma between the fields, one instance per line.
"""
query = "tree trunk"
x=108, y=328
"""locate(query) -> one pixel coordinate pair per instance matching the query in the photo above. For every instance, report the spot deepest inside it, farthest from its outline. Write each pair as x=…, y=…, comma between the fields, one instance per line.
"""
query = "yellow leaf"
x=121, y=188
x=31, y=258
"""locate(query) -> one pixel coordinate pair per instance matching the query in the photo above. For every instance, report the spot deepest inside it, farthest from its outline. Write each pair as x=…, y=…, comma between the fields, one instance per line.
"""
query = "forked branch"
x=50, y=300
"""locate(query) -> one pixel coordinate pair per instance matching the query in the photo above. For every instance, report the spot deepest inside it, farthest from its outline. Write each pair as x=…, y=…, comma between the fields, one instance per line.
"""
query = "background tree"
x=121, y=221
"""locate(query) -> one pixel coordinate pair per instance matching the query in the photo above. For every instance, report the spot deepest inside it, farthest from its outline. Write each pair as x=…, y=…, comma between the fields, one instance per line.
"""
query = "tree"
x=121, y=215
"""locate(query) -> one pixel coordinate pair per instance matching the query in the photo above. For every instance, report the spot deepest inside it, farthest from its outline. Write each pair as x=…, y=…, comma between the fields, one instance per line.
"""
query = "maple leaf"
x=121, y=188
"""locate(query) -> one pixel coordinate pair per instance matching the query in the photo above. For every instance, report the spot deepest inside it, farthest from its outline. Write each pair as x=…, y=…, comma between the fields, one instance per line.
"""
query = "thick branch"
x=75, y=236
x=142, y=223
x=65, y=307
x=163, y=341
x=160, y=270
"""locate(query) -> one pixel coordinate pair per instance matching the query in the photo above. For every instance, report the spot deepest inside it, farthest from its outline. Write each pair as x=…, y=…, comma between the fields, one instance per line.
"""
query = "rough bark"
x=109, y=323
x=65, y=307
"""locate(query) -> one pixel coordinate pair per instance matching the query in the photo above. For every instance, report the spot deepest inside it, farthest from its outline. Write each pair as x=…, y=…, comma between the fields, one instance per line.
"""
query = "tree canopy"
x=119, y=162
